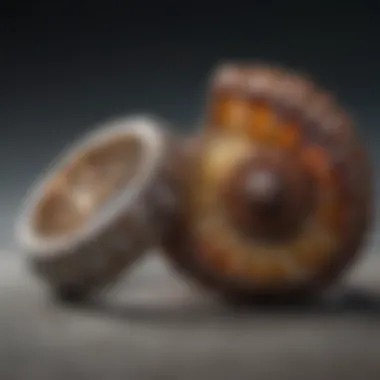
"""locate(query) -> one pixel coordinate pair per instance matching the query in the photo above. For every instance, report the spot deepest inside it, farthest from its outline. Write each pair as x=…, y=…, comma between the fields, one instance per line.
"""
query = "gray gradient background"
x=65, y=68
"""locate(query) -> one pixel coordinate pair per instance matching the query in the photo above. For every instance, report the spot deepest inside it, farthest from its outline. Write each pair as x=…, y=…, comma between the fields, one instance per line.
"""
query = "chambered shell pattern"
x=269, y=115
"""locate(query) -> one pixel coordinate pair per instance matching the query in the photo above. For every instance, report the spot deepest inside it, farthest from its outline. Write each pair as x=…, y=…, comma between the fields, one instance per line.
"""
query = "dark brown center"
x=269, y=197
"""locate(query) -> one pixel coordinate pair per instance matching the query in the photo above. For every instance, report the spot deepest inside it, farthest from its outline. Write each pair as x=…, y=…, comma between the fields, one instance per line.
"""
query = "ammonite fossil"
x=278, y=195
x=101, y=205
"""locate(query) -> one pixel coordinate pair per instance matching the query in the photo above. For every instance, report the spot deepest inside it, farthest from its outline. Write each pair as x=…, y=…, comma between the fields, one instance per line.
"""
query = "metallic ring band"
x=96, y=210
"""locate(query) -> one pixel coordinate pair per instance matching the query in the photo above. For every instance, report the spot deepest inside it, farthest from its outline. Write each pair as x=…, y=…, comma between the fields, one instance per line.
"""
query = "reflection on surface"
x=187, y=308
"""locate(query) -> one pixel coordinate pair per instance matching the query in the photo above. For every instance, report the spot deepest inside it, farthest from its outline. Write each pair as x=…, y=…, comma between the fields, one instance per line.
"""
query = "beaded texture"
x=94, y=260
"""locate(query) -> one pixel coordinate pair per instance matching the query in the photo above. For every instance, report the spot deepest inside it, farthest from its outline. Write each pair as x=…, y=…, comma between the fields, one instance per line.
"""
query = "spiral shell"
x=280, y=133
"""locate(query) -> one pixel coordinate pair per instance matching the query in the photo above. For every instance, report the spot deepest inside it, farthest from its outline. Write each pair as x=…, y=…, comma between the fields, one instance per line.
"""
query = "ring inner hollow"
x=85, y=184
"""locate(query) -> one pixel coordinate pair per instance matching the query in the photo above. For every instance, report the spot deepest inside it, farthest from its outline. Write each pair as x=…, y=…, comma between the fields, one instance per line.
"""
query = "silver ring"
x=96, y=209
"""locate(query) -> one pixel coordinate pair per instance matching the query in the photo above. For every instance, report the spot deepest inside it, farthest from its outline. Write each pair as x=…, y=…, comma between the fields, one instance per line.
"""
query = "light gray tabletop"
x=154, y=326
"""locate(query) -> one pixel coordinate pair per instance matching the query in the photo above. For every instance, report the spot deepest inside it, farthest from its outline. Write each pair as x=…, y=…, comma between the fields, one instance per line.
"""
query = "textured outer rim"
x=354, y=173
x=98, y=253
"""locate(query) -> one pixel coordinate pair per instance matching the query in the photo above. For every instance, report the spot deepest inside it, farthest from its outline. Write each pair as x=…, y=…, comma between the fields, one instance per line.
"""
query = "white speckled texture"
x=153, y=326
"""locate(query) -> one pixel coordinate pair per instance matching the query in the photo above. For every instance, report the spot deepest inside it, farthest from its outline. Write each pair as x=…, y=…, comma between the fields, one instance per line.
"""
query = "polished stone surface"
x=154, y=326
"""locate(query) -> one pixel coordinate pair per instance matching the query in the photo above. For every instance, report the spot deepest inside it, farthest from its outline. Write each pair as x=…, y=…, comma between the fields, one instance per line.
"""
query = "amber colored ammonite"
x=278, y=196
x=102, y=204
